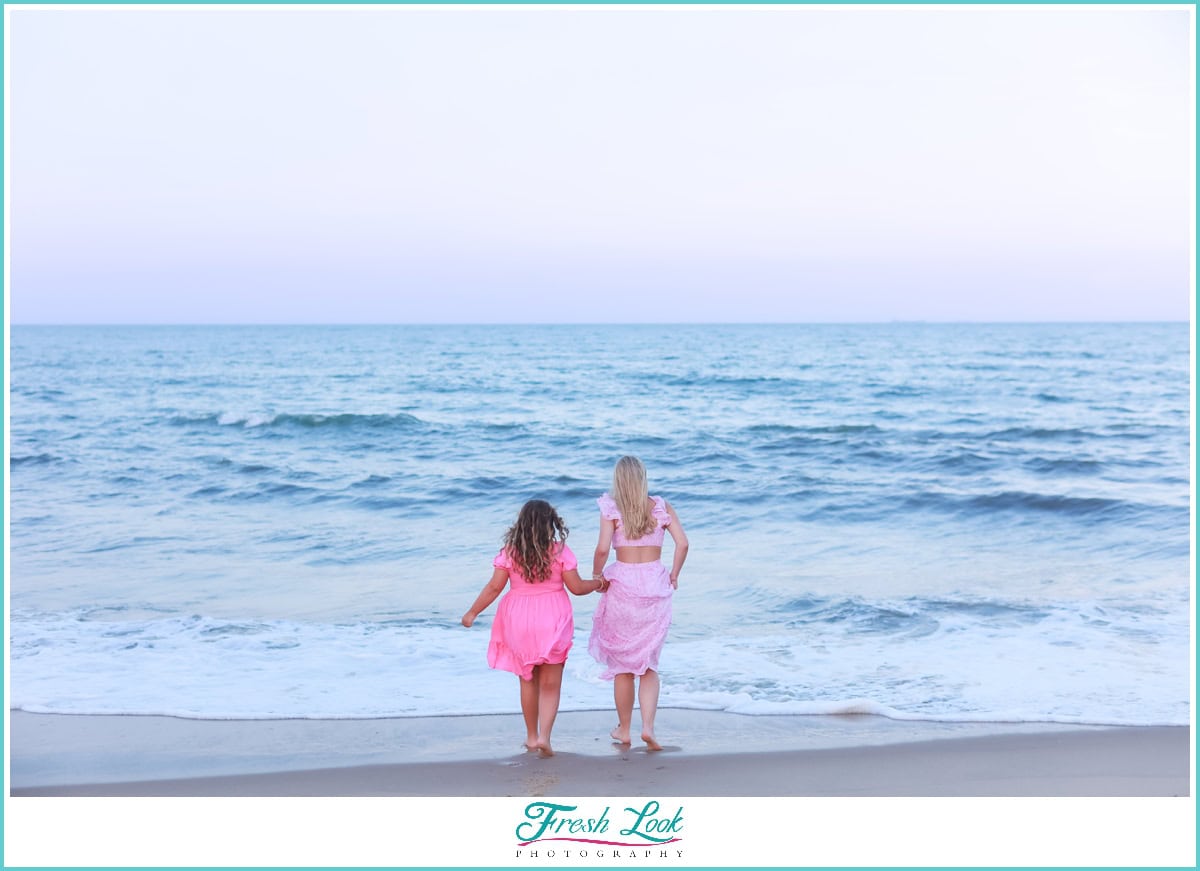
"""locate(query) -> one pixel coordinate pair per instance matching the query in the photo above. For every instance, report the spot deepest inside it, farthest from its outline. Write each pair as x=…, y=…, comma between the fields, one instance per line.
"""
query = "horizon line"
x=888, y=322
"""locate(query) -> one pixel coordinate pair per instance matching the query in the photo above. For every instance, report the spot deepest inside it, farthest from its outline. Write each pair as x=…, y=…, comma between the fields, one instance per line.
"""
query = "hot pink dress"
x=630, y=624
x=533, y=624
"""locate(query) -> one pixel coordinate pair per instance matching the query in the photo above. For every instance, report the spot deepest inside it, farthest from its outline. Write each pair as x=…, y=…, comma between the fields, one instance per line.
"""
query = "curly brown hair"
x=529, y=540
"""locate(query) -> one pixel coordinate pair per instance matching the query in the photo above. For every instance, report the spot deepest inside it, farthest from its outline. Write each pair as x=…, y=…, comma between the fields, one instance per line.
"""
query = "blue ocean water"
x=953, y=522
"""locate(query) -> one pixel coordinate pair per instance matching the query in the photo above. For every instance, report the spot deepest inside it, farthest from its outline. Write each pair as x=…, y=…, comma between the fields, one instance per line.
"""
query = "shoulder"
x=565, y=557
x=502, y=560
x=662, y=509
x=608, y=508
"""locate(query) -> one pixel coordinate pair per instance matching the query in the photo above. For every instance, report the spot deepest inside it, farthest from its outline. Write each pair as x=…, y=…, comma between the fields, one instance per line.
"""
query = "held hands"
x=603, y=583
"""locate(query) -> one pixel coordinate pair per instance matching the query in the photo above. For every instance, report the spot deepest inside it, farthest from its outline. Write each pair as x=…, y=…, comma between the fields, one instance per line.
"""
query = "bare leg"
x=529, y=708
x=648, y=702
x=623, y=696
x=549, y=690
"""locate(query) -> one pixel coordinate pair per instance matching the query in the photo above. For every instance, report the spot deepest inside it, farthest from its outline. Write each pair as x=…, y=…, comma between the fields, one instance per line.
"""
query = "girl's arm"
x=487, y=595
x=681, y=545
x=607, y=528
x=578, y=585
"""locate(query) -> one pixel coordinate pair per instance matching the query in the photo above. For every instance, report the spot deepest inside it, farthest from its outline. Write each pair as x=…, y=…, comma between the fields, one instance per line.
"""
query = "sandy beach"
x=706, y=754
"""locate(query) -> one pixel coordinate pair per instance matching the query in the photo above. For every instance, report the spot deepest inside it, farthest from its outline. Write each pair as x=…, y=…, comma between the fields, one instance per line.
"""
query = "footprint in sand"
x=537, y=784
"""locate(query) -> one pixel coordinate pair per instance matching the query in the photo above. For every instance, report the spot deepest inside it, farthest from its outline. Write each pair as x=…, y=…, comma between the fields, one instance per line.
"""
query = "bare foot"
x=651, y=744
x=544, y=749
x=531, y=743
x=619, y=736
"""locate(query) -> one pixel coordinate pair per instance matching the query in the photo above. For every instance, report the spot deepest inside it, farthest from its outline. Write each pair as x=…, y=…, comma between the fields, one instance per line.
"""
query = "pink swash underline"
x=602, y=843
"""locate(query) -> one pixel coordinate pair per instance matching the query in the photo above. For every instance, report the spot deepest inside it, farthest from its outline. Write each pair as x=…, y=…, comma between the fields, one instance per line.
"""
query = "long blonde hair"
x=631, y=493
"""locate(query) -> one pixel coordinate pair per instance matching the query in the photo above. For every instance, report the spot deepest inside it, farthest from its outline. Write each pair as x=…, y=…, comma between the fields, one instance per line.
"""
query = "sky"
x=599, y=164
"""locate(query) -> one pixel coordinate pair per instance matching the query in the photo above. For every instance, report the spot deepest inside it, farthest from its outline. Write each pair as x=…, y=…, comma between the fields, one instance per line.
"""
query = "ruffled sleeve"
x=567, y=558
x=660, y=511
x=502, y=560
x=608, y=508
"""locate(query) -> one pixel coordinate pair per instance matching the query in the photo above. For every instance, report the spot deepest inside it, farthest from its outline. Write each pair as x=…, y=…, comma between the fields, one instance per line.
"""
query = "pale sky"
x=599, y=164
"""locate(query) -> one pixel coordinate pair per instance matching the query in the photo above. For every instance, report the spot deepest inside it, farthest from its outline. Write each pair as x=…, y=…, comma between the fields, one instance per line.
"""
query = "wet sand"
x=705, y=754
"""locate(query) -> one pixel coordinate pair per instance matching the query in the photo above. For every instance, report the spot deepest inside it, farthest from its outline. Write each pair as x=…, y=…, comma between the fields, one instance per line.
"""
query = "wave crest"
x=399, y=420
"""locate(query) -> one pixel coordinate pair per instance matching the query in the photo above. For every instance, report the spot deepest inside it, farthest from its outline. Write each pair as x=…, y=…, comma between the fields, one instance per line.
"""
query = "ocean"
x=922, y=521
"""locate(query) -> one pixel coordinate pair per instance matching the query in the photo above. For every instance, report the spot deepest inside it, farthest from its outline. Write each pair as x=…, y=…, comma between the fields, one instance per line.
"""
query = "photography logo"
x=558, y=831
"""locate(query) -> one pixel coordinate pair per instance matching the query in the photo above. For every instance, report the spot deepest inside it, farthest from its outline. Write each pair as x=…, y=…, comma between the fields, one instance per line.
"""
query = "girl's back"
x=561, y=559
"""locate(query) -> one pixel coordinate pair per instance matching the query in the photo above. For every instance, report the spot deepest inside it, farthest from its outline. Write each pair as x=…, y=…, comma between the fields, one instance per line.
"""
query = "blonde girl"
x=631, y=622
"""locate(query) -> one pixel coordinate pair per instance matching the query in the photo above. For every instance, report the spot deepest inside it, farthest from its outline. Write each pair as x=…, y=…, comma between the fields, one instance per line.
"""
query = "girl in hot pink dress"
x=533, y=627
x=630, y=624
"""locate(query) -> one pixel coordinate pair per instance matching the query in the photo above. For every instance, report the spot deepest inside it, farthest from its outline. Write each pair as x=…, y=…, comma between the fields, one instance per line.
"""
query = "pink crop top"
x=609, y=511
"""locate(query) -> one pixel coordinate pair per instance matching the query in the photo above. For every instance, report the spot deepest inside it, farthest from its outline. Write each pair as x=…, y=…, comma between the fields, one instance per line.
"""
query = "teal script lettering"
x=547, y=818
x=648, y=821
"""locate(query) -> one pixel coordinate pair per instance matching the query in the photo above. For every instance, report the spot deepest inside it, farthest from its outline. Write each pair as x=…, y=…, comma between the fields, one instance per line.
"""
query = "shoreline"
x=706, y=753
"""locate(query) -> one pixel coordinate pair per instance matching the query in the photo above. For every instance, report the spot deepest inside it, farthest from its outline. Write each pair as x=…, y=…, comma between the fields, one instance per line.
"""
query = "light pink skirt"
x=630, y=623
